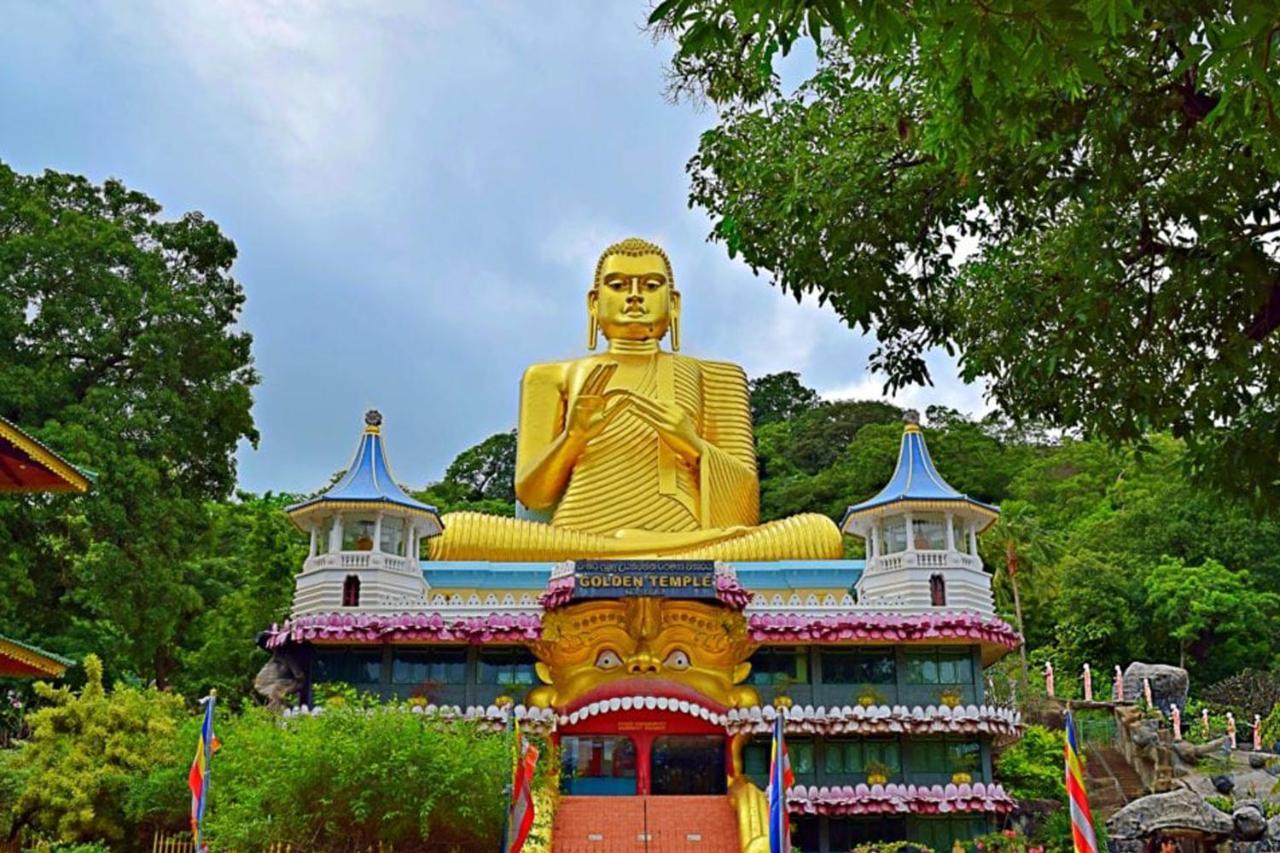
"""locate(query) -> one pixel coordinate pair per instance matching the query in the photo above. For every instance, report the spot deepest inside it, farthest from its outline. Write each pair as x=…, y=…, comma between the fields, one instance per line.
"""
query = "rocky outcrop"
x=1251, y=823
x=1192, y=754
x=279, y=678
x=1175, y=810
x=1168, y=684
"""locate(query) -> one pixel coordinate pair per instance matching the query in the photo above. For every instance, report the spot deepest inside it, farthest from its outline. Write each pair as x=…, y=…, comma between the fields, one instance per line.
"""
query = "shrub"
x=345, y=779
x=82, y=753
x=1248, y=692
x=1271, y=728
x=1031, y=769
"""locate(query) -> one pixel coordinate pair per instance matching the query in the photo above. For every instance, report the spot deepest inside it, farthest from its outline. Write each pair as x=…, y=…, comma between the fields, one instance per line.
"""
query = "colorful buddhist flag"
x=198, y=777
x=780, y=779
x=1081, y=818
x=520, y=815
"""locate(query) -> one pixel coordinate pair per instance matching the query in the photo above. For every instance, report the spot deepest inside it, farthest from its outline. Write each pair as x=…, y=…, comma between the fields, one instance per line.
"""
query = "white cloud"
x=947, y=390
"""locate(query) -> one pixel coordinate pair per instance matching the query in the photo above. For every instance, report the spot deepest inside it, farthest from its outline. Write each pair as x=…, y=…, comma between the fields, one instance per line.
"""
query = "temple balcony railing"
x=923, y=560
x=360, y=560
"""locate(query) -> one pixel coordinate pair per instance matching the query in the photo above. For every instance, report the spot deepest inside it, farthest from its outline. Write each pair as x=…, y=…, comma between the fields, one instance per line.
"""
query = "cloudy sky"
x=418, y=192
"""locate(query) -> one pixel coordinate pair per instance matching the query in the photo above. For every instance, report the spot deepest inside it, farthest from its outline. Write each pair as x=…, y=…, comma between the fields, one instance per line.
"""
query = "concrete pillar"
x=973, y=538
x=951, y=532
x=311, y=548
x=911, y=534
x=377, y=533
x=335, y=534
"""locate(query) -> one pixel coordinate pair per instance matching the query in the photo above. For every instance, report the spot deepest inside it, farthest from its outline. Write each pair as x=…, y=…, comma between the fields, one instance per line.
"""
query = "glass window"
x=945, y=755
x=930, y=532
x=755, y=760
x=352, y=667
x=597, y=764
x=514, y=667
x=392, y=536
x=804, y=834
x=941, y=833
x=858, y=666
x=420, y=666
x=845, y=833
x=962, y=541
x=357, y=534
x=854, y=758
x=780, y=666
x=939, y=666
x=688, y=765
x=895, y=535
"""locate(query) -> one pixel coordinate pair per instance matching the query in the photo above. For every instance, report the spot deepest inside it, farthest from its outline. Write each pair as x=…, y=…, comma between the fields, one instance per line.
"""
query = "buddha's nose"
x=642, y=664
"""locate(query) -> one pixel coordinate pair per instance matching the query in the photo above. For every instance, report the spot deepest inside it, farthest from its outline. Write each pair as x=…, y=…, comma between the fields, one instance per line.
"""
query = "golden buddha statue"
x=639, y=452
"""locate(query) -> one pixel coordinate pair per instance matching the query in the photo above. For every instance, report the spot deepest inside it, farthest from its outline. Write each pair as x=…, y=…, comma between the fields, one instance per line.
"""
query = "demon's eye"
x=677, y=660
x=608, y=659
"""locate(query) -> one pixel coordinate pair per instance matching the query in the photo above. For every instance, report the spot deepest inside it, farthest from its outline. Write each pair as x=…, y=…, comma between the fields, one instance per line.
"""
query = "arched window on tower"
x=351, y=591
x=937, y=591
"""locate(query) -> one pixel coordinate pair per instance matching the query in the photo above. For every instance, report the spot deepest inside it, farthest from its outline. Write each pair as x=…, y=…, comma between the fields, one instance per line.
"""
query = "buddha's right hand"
x=593, y=408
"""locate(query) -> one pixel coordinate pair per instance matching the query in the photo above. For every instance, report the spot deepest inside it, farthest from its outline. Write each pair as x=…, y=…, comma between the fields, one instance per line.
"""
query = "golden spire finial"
x=911, y=417
x=373, y=421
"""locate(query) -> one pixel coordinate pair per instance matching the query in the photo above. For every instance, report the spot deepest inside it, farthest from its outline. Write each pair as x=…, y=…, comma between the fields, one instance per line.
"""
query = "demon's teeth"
x=683, y=706
x=615, y=703
x=663, y=703
x=627, y=702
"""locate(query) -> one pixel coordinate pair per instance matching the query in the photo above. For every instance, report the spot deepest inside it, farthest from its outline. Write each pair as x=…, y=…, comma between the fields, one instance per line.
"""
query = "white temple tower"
x=365, y=537
x=921, y=537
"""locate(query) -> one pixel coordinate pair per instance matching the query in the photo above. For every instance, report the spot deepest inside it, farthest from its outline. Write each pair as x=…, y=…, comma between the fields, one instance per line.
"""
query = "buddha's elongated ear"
x=593, y=324
x=675, y=320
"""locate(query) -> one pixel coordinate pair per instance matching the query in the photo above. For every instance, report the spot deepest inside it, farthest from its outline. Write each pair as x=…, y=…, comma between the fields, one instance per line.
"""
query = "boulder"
x=1273, y=828
x=1223, y=784
x=279, y=678
x=1169, y=684
x=1190, y=753
x=1250, y=822
x=1258, y=760
x=1176, y=810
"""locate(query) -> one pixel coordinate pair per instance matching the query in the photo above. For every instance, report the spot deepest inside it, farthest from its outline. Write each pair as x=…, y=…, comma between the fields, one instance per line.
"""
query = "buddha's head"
x=596, y=651
x=634, y=296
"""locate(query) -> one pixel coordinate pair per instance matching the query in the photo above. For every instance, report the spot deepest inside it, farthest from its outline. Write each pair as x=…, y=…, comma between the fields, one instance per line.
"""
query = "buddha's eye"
x=677, y=660
x=652, y=285
x=608, y=659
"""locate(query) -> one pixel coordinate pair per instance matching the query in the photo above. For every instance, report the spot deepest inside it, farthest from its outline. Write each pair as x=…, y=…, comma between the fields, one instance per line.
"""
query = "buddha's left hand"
x=673, y=424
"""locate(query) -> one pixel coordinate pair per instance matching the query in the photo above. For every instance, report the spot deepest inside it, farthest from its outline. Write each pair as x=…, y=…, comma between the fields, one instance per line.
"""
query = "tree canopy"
x=1082, y=200
x=120, y=346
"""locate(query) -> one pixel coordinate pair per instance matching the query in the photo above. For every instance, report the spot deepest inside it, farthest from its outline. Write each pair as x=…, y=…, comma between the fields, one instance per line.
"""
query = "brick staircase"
x=645, y=825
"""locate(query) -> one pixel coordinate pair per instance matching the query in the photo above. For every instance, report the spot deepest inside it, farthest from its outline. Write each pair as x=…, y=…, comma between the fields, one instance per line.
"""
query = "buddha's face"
x=634, y=299
x=640, y=647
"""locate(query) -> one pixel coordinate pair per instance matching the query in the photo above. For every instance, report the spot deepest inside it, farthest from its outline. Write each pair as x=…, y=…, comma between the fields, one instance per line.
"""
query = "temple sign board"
x=657, y=578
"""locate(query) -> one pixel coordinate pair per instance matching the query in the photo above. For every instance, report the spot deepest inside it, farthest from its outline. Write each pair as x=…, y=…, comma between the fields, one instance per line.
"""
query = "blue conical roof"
x=916, y=483
x=368, y=482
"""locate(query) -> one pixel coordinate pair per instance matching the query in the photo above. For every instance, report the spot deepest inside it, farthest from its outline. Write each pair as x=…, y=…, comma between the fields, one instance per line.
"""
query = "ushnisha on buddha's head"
x=633, y=296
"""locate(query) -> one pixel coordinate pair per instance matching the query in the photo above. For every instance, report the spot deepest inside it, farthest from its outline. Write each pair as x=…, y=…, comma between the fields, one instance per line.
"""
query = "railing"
x=164, y=843
x=358, y=560
x=923, y=560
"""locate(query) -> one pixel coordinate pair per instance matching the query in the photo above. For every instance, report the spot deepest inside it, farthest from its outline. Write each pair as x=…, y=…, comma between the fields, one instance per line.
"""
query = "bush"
x=1247, y=692
x=1271, y=729
x=1031, y=769
x=345, y=779
x=83, y=751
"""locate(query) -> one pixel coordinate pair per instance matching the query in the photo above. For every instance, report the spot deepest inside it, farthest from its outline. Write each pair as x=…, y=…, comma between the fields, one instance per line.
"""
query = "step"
x=653, y=824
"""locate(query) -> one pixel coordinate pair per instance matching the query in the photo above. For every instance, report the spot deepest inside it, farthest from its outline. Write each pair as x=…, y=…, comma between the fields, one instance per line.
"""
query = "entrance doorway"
x=687, y=764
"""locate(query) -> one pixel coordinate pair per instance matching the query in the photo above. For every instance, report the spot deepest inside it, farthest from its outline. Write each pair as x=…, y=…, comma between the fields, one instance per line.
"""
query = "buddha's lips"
x=642, y=688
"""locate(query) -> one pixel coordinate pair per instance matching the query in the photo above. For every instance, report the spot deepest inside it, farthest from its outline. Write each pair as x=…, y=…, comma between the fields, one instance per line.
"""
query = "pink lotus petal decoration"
x=791, y=627
x=375, y=628
x=895, y=798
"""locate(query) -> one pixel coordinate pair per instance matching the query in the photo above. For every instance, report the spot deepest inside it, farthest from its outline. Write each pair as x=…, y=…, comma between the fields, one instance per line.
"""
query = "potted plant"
x=878, y=772
x=782, y=691
x=965, y=765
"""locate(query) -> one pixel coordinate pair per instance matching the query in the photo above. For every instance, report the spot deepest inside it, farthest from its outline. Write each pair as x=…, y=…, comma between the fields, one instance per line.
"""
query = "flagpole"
x=509, y=790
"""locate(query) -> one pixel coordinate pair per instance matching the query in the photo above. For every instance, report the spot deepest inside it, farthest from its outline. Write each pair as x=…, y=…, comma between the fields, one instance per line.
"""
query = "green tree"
x=779, y=396
x=245, y=562
x=1082, y=199
x=1214, y=615
x=83, y=751
x=481, y=478
x=1015, y=543
x=119, y=346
